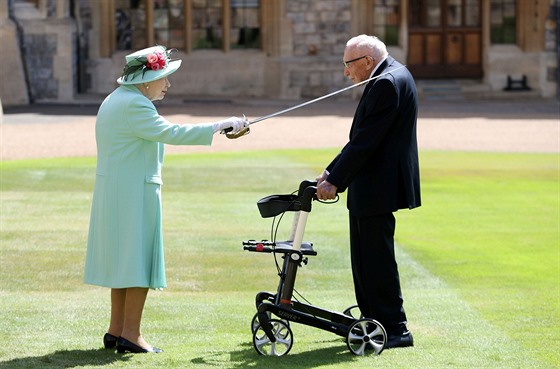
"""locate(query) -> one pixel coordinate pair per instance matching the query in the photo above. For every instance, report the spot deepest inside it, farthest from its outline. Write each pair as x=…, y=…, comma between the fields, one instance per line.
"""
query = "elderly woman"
x=125, y=245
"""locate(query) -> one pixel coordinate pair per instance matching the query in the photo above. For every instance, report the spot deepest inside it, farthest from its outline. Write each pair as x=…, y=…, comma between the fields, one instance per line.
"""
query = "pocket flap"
x=154, y=179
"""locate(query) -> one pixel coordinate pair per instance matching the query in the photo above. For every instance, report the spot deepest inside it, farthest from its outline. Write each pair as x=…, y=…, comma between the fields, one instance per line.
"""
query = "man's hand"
x=326, y=190
x=322, y=177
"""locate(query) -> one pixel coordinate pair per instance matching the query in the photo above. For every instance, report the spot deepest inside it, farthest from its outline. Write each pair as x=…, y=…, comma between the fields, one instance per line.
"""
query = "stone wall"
x=13, y=89
x=319, y=27
x=320, y=30
x=66, y=51
x=540, y=67
x=48, y=39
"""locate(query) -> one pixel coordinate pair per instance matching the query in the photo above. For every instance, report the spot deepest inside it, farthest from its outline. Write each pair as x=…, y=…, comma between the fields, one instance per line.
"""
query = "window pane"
x=130, y=24
x=207, y=24
x=434, y=13
x=169, y=22
x=472, y=13
x=161, y=23
x=245, y=24
x=386, y=20
x=415, y=12
x=502, y=21
x=454, y=13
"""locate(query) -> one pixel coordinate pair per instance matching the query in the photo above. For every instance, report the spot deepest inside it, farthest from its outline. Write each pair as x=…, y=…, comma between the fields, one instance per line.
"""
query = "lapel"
x=382, y=69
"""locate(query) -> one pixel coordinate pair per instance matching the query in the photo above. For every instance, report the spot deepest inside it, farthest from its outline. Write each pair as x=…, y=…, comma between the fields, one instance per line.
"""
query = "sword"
x=246, y=130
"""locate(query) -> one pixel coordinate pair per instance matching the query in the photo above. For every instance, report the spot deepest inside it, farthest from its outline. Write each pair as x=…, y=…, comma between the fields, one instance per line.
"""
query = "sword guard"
x=243, y=132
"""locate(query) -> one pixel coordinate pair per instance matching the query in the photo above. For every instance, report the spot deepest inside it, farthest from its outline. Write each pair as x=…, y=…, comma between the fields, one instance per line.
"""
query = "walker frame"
x=273, y=336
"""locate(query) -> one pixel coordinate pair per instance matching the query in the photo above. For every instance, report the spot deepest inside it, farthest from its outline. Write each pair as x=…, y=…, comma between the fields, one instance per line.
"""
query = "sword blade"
x=321, y=97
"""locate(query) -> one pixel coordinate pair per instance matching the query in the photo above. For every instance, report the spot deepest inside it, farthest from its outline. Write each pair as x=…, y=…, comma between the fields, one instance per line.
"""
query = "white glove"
x=235, y=123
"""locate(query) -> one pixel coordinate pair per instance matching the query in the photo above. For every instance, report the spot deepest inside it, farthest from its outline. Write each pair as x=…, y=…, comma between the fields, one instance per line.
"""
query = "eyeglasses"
x=347, y=62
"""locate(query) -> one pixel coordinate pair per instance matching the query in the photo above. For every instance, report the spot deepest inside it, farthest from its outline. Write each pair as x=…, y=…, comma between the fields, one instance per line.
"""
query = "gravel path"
x=43, y=131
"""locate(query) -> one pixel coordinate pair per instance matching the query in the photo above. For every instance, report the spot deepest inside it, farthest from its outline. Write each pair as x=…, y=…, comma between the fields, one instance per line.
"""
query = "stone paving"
x=515, y=125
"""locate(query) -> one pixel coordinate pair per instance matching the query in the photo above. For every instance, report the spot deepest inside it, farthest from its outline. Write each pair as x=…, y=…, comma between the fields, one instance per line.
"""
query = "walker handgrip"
x=304, y=185
x=309, y=195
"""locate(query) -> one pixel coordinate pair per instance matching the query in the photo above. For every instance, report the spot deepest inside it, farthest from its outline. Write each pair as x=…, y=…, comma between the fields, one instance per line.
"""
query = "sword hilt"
x=244, y=131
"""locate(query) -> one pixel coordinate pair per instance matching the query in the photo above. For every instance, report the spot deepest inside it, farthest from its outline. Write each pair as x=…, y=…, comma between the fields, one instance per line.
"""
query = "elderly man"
x=379, y=167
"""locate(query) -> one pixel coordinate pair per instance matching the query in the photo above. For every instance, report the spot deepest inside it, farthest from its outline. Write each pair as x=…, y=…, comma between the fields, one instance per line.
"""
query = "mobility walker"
x=271, y=324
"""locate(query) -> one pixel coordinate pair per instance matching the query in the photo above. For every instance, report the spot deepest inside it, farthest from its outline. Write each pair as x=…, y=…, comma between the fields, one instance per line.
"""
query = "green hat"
x=148, y=65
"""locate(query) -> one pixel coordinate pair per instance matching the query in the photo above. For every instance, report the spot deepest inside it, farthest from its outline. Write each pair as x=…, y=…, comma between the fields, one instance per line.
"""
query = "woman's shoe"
x=124, y=345
x=109, y=341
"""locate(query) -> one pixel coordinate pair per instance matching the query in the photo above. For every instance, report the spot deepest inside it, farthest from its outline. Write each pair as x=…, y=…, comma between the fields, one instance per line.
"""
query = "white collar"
x=377, y=66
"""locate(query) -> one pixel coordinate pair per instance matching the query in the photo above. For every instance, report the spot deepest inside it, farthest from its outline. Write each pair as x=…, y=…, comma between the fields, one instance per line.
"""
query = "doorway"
x=445, y=38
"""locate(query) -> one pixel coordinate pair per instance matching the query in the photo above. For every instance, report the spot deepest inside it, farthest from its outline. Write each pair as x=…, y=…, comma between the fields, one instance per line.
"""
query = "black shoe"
x=109, y=341
x=124, y=345
x=399, y=340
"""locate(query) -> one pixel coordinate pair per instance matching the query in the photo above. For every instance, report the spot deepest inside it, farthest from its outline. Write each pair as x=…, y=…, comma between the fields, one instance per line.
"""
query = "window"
x=207, y=24
x=386, y=21
x=187, y=24
x=245, y=20
x=130, y=20
x=463, y=13
x=424, y=13
x=472, y=13
x=502, y=21
x=456, y=13
x=169, y=23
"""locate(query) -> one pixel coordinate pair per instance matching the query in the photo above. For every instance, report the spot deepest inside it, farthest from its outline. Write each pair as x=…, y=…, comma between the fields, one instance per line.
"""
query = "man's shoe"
x=399, y=340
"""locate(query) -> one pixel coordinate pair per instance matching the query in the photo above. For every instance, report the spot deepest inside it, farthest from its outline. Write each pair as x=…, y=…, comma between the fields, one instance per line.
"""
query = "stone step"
x=464, y=89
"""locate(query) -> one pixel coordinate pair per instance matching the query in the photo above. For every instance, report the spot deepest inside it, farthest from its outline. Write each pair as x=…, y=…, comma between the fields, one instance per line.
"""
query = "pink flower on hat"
x=162, y=60
x=156, y=61
x=152, y=58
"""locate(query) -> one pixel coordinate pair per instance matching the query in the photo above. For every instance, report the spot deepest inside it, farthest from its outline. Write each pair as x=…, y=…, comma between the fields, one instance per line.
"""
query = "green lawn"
x=479, y=261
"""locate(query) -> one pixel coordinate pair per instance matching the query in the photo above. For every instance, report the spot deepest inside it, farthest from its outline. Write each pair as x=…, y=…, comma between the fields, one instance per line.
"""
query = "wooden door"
x=445, y=38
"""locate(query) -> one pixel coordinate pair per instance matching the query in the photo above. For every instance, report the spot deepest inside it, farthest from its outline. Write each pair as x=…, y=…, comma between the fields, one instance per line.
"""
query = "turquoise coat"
x=125, y=245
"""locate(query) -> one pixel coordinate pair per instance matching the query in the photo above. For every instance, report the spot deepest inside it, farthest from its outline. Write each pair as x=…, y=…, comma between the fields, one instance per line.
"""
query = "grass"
x=479, y=265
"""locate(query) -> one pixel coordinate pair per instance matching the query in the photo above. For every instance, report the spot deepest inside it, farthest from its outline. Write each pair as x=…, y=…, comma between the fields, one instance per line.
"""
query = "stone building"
x=58, y=50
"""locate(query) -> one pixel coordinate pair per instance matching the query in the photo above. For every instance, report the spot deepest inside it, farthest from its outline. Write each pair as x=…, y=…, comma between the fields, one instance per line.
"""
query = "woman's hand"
x=235, y=123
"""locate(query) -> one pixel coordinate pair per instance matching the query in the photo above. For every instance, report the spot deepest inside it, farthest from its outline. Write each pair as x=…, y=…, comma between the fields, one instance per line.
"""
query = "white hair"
x=369, y=44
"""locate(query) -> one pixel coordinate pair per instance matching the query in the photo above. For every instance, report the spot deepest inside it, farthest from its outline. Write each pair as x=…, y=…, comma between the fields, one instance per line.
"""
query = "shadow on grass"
x=65, y=359
x=249, y=358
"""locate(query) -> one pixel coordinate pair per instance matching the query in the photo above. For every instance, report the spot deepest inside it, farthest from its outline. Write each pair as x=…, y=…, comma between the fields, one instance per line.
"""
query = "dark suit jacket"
x=379, y=164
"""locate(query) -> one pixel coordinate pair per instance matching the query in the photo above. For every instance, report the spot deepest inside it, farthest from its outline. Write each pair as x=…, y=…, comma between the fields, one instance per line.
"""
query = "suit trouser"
x=375, y=270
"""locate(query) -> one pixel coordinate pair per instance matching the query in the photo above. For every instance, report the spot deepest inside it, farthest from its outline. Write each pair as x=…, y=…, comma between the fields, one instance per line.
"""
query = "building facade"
x=281, y=49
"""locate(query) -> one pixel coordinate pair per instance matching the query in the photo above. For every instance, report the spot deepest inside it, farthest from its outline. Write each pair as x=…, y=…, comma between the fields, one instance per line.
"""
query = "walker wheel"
x=366, y=336
x=281, y=332
x=255, y=321
x=354, y=312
